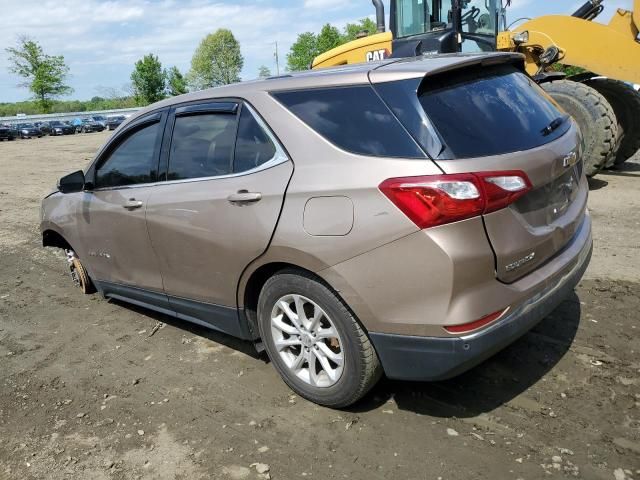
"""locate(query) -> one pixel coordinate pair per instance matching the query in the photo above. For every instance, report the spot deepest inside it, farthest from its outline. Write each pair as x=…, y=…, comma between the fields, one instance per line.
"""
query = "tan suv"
x=405, y=217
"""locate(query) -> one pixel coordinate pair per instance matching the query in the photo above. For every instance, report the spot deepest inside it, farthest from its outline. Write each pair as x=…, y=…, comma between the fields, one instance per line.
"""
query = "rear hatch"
x=475, y=118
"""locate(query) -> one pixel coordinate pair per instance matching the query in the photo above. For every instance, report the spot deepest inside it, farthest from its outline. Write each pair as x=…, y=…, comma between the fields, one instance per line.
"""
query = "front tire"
x=324, y=355
x=79, y=274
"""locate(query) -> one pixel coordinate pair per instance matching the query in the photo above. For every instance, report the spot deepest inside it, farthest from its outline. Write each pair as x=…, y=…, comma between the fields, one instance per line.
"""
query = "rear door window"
x=352, y=118
x=211, y=142
x=202, y=146
x=479, y=112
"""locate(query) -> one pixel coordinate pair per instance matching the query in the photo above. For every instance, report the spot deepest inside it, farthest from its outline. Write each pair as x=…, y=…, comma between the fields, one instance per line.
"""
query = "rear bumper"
x=414, y=358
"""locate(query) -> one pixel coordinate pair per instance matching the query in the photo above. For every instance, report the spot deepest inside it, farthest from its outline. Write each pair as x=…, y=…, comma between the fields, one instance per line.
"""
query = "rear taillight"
x=439, y=199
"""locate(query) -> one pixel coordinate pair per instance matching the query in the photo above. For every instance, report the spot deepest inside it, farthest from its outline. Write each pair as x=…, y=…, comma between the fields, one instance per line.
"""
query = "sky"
x=102, y=39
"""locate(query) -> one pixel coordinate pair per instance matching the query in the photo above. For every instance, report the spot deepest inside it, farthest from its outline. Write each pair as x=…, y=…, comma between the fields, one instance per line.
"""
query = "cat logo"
x=377, y=55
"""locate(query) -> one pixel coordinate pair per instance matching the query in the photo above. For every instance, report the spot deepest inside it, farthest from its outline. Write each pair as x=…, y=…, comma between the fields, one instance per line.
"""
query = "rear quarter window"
x=352, y=118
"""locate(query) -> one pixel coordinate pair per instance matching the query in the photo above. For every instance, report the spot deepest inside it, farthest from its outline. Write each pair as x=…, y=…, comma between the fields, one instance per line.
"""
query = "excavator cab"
x=444, y=26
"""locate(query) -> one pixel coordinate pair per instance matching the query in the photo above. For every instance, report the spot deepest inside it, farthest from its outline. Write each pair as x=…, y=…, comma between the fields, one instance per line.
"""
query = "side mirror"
x=74, y=182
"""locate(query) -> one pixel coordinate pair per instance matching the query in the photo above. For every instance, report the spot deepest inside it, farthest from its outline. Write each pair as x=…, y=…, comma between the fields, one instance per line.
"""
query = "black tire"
x=594, y=116
x=625, y=102
x=361, y=368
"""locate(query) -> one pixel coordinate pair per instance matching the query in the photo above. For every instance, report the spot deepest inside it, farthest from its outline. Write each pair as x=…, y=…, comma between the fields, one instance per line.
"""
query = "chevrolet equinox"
x=407, y=217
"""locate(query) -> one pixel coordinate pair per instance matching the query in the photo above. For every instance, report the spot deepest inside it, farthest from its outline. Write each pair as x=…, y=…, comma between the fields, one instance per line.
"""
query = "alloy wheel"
x=307, y=341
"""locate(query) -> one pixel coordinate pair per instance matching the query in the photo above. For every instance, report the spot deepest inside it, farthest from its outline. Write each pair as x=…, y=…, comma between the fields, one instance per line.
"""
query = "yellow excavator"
x=600, y=97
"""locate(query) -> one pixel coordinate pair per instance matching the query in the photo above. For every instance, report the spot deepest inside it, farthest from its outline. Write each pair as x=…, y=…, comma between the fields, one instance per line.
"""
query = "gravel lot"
x=86, y=390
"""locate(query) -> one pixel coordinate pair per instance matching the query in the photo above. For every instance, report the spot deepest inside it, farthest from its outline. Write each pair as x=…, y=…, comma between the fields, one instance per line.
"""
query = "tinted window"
x=353, y=118
x=253, y=147
x=480, y=112
x=133, y=161
x=490, y=112
x=202, y=146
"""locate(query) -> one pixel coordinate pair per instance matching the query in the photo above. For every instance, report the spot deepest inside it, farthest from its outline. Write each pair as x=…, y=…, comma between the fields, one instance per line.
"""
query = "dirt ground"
x=90, y=389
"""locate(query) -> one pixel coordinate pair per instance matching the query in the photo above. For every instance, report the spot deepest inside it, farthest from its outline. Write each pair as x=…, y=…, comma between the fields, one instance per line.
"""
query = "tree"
x=352, y=30
x=149, y=80
x=217, y=61
x=176, y=83
x=44, y=74
x=328, y=38
x=264, y=72
x=302, y=52
x=309, y=45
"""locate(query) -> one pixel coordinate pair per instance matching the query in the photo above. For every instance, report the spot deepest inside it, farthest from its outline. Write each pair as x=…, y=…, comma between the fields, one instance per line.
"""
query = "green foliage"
x=176, y=83
x=569, y=70
x=217, y=61
x=351, y=30
x=302, y=52
x=264, y=72
x=309, y=45
x=66, y=106
x=328, y=38
x=148, y=80
x=44, y=75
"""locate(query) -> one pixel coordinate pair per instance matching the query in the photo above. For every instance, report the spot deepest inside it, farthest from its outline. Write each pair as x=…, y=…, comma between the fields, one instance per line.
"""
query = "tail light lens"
x=440, y=199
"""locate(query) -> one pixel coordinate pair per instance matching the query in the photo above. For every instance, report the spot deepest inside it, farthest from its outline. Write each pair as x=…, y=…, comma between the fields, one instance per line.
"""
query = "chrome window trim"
x=123, y=187
x=279, y=157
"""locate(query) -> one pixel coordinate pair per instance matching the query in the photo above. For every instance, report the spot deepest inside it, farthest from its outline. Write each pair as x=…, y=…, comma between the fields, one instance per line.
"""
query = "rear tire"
x=594, y=116
x=625, y=102
x=359, y=367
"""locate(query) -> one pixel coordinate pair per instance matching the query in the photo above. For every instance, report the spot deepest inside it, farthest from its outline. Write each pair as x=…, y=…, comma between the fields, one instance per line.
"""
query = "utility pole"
x=277, y=60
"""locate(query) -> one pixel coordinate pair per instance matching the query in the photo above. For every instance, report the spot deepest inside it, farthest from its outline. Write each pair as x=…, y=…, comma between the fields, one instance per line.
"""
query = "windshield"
x=415, y=17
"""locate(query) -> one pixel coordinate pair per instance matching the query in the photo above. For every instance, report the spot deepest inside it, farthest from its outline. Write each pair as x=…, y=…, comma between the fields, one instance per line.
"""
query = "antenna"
x=277, y=59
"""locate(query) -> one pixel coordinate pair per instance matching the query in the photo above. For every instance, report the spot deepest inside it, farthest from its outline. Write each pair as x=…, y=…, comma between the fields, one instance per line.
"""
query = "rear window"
x=479, y=112
x=352, y=118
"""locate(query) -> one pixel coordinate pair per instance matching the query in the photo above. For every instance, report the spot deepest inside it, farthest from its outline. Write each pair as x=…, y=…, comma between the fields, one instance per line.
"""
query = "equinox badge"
x=570, y=159
x=518, y=263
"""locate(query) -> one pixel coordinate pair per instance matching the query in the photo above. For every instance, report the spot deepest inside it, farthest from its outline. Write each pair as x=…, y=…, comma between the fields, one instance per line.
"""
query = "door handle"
x=243, y=197
x=132, y=204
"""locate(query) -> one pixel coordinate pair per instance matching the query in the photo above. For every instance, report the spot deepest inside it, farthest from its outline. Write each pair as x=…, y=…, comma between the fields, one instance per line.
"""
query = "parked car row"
x=22, y=130
x=96, y=123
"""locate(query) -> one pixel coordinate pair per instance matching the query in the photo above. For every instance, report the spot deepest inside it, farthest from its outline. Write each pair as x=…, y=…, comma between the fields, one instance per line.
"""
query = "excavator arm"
x=611, y=50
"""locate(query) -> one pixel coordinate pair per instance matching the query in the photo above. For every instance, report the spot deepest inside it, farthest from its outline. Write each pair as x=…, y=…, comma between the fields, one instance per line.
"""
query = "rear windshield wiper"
x=554, y=125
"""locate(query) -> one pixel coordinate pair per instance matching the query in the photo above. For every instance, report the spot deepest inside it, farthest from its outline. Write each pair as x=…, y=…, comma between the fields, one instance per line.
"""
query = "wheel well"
x=51, y=238
x=257, y=281
x=260, y=277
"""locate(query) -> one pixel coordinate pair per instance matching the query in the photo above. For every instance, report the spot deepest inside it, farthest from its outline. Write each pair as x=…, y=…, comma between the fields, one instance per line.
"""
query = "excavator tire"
x=626, y=105
x=594, y=116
